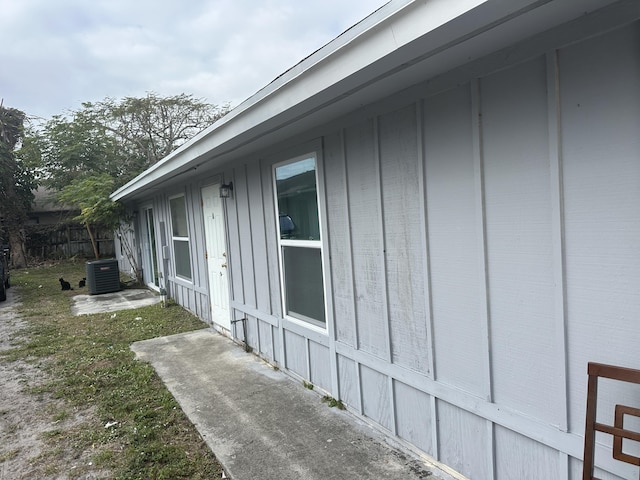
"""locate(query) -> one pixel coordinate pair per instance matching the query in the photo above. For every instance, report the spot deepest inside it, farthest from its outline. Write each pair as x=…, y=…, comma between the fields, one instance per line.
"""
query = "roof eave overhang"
x=381, y=53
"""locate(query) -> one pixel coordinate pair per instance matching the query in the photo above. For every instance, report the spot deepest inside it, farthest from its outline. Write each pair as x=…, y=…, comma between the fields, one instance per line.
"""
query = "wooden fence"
x=45, y=242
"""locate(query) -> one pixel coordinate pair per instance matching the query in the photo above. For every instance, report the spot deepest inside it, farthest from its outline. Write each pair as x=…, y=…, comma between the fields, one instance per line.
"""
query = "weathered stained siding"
x=403, y=225
x=364, y=209
x=340, y=246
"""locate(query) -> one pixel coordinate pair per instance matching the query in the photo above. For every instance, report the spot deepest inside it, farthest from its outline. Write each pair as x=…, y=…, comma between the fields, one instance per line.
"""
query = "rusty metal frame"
x=623, y=374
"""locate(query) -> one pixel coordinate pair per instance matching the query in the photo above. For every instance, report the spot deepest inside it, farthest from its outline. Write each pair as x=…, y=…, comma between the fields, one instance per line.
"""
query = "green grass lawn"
x=91, y=369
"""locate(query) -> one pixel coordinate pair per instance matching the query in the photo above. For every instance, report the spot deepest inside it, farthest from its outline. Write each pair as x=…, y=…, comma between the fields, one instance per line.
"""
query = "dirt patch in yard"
x=30, y=419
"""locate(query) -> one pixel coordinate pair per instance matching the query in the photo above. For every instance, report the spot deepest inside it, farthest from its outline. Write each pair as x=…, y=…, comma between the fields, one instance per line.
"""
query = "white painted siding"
x=518, y=457
x=446, y=222
x=245, y=233
x=483, y=239
x=455, y=242
x=349, y=383
x=376, y=397
x=463, y=441
x=601, y=163
x=519, y=239
x=413, y=416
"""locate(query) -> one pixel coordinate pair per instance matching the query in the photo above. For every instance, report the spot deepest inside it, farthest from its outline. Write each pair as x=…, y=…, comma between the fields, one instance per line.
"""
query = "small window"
x=299, y=240
x=180, y=237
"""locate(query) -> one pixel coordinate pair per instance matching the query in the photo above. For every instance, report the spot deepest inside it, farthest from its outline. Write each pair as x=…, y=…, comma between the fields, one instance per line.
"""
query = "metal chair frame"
x=623, y=374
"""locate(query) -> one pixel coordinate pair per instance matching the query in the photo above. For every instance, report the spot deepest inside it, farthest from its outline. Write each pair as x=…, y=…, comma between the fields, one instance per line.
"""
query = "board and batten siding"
x=191, y=294
x=483, y=247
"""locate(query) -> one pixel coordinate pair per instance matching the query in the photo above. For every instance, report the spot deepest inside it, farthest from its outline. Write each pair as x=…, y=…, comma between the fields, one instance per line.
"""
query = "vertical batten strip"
x=244, y=293
x=258, y=341
x=392, y=405
x=424, y=228
x=424, y=231
x=481, y=227
x=356, y=339
x=327, y=272
x=307, y=351
x=435, y=438
x=267, y=204
x=238, y=270
x=253, y=253
x=557, y=222
x=385, y=283
x=359, y=384
x=385, y=286
x=283, y=346
x=354, y=320
x=476, y=113
x=253, y=259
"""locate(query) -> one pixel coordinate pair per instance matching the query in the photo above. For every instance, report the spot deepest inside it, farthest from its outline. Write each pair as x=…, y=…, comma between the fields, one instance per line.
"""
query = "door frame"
x=150, y=250
x=223, y=320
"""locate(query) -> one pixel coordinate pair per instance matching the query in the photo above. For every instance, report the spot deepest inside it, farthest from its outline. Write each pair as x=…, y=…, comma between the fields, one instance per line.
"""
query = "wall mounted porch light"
x=226, y=190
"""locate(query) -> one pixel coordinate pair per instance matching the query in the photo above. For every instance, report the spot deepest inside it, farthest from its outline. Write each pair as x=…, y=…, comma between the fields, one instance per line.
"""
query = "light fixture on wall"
x=226, y=190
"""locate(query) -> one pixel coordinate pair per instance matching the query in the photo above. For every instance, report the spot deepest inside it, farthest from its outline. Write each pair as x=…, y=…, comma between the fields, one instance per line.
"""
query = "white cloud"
x=58, y=54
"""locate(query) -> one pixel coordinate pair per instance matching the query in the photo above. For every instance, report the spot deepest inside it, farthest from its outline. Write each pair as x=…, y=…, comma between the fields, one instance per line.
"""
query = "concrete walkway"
x=261, y=424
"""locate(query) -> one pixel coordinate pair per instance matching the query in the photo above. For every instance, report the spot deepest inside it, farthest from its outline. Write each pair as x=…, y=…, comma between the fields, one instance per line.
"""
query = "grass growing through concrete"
x=131, y=425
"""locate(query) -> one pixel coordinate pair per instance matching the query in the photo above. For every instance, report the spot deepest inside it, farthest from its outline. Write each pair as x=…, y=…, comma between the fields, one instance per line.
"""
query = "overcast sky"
x=56, y=54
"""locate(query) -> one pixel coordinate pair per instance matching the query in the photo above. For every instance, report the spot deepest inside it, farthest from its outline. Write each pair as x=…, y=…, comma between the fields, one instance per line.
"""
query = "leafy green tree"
x=91, y=152
x=68, y=149
x=91, y=195
x=16, y=183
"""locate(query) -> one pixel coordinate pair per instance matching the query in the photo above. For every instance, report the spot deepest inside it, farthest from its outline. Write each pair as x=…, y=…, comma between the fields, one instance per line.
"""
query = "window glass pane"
x=183, y=259
x=297, y=200
x=303, y=283
x=178, y=217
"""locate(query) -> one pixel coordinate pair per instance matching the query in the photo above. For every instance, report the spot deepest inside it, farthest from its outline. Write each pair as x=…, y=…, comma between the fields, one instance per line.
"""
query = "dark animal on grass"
x=64, y=284
x=82, y=282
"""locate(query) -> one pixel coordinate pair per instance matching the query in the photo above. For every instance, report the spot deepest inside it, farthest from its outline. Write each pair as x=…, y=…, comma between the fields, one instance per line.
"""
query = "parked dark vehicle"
x=4, y=271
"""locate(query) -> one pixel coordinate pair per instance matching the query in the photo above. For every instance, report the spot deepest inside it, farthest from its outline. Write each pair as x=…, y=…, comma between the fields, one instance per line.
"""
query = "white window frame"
x=186, y=239
x=314, y=324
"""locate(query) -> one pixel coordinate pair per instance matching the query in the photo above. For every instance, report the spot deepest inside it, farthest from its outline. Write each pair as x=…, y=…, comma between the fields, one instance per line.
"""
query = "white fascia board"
x=398, y=24
x=340, y=58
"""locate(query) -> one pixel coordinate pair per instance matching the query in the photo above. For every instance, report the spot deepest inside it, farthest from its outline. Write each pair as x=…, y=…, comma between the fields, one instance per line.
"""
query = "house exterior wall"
x=481, y=236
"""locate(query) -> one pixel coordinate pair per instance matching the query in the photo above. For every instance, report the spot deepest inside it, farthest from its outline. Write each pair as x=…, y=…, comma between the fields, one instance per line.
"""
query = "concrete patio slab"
x=111, y=302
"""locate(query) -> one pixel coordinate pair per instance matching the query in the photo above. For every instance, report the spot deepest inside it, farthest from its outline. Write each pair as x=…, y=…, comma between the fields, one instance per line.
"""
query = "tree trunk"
x=93, y=242
x=16, y=242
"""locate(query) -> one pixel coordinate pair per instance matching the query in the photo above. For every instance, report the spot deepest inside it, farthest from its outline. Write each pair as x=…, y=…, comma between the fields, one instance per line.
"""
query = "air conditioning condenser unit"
x=103, y=276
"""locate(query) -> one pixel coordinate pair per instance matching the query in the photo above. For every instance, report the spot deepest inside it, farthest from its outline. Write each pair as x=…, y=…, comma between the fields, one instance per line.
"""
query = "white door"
x=216, y=254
